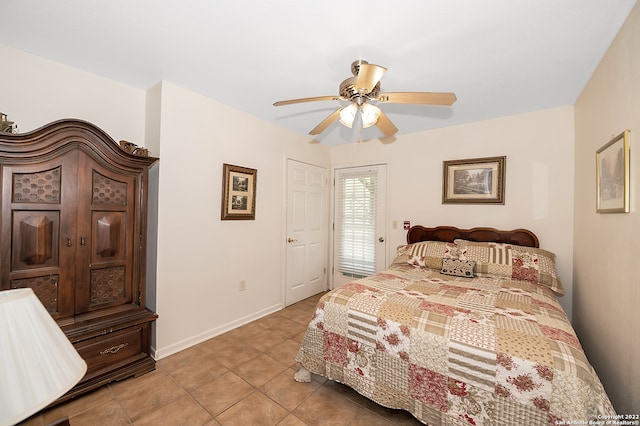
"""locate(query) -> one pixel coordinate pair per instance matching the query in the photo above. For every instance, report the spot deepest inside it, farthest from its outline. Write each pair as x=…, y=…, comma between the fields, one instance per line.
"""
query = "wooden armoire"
x=73, y=227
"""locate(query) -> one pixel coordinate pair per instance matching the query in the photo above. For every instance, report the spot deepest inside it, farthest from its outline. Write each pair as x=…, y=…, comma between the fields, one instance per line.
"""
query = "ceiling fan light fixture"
x=348, y=114
x=362, y=88
x=370, y=115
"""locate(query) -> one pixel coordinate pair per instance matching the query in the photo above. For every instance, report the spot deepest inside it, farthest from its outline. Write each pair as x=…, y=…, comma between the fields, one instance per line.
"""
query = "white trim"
x=209, y=334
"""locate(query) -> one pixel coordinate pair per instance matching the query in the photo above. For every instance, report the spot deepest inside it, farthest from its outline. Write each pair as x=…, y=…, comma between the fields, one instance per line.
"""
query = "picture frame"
x=612, y=175
x=238, y=192
x=474, y=181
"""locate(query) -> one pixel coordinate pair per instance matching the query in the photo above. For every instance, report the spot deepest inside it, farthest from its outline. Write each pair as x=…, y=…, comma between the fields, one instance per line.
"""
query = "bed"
x=464, y=327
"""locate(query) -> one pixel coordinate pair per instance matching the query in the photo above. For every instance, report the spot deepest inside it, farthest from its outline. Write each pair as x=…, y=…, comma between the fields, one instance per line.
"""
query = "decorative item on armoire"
x=74, y=225
x=134, y=149
x=6, y=125
x=612, y=171
x=474, y=181
x=238, y=192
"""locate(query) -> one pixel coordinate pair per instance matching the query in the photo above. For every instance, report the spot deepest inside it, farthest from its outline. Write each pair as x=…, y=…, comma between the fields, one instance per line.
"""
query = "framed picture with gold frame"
x=238, y=192
x=612, y=175
x=474, y=181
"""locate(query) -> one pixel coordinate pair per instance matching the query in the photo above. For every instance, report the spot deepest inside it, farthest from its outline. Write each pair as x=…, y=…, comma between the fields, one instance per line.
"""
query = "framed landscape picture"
x=612, y=175
x=238, y=192
x=474, y=181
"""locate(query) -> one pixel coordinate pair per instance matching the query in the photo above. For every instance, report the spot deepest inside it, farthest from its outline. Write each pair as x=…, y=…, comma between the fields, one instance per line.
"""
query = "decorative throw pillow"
x=402, y=253
x=497, y=260
x=458, y=268
x=429, y=254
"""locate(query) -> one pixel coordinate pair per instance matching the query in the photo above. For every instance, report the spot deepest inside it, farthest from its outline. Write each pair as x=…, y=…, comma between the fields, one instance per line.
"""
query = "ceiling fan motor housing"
x=348, y=90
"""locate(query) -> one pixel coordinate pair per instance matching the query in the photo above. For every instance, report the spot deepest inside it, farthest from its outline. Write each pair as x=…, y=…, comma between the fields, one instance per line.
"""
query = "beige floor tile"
x=204, y=369
x=265, y=340
x=365, y=417
x=260, y=370
x=285, y=352
x=79, y=405
x=182, y=359
x=325, y=406
x=298, y=337
x=221, y=393
x=133, y=383
x=291, y=420
x=244, y=332
x=283, y=325
x=181, y=411
x=107, y=414
x=151, y=396
x=230, y=354
x=286, y=391
x=256, y=409
x=301, y=314
x=397, y=417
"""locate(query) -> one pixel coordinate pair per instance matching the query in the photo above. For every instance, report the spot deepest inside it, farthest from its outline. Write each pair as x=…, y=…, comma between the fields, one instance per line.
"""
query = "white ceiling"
x=500, y=57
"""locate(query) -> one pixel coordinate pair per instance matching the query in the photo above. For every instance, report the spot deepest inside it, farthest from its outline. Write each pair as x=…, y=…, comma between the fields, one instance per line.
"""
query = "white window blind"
x=356, y=192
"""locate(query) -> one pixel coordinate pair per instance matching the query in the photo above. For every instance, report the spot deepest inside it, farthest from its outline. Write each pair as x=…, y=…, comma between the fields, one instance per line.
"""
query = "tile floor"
x=243, y=377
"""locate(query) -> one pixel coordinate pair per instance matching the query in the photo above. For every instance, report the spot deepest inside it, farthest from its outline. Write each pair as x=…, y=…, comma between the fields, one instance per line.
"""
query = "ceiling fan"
x=363, y=88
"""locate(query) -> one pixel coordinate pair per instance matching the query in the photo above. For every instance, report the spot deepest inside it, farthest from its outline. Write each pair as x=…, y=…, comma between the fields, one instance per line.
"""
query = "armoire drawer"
x=113, y=349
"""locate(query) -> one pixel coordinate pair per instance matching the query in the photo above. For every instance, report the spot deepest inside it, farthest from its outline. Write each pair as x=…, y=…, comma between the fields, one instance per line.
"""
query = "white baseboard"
x=201, y=337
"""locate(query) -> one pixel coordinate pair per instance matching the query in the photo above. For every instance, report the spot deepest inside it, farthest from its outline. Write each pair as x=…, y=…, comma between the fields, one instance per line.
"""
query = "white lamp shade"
x=38, y=363
x=348, y=114
x=370, y=115
x=368, y=112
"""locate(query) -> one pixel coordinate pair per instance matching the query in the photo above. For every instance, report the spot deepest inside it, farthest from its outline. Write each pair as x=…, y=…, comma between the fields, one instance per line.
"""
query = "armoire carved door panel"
x=37, y=214
x=107, y=235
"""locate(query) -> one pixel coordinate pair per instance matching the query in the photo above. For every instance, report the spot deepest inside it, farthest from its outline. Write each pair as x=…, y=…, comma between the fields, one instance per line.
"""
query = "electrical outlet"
x=243, y=285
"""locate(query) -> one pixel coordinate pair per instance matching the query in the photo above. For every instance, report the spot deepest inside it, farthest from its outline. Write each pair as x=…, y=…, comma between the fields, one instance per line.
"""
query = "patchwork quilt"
x=454, y=350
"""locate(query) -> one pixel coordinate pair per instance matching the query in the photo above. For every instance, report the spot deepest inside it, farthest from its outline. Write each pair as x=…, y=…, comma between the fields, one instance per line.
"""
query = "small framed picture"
x=474, y=181
x=612, y=175
x=238, y=193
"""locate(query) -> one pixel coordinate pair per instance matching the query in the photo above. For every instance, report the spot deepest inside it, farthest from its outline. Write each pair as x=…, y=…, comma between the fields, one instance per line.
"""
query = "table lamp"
x=38, y=363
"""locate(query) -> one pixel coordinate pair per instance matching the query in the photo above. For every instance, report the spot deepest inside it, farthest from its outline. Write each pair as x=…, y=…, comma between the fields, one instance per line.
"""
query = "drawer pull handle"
x=113, y=349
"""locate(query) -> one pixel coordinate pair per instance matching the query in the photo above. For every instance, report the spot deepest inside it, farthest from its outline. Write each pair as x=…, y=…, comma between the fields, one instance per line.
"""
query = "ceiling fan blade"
x=428, y=98
x=385, y=125
x=313, y=99
x=368, y=76
x=326, y=122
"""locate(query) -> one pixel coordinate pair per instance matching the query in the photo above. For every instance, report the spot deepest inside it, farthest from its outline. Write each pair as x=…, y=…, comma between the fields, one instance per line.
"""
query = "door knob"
x=381, y=239
x=291, y=240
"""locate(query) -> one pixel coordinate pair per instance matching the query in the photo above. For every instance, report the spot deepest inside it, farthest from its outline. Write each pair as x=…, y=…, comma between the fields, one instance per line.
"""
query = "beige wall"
x=607, y=246
x=201, y=259
x=36, y=91
x=538, y=183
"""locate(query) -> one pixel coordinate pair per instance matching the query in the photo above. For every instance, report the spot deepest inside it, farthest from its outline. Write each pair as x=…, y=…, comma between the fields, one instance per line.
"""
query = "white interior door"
x=307, y=231
x=359, y=237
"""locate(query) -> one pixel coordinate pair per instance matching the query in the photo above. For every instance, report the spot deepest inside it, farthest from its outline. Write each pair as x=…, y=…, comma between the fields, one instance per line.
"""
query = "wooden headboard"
x=520, y=237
